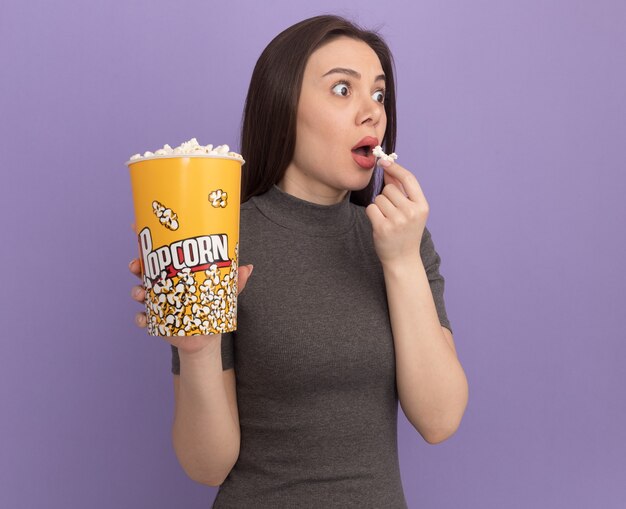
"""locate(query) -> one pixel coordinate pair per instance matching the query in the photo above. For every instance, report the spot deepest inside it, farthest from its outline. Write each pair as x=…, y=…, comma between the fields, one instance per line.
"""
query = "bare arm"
x=205, y=432
x=432, y=386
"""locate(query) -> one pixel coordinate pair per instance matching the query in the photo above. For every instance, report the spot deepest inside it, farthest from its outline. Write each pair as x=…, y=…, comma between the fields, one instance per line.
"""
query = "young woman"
x=344, y=315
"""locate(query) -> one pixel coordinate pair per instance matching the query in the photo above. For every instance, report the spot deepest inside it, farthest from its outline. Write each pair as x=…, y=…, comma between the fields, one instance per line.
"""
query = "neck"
x=320, y=194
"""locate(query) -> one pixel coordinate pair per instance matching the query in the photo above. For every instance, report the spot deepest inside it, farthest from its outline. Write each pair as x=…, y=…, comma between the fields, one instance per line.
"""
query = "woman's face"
x=341, y=107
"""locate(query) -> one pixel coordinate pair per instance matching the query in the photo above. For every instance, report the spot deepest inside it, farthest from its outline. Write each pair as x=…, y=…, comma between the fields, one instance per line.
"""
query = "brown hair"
x=268, y=132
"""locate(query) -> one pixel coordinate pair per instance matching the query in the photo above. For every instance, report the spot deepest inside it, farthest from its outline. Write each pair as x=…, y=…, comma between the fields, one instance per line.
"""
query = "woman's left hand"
x=398, y=215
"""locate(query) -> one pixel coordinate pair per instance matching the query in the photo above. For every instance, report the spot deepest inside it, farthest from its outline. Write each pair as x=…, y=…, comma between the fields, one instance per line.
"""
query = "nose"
x=369, y=111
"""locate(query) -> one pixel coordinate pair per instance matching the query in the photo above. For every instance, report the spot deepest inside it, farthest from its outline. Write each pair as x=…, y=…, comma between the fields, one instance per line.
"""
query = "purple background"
x=511, y=115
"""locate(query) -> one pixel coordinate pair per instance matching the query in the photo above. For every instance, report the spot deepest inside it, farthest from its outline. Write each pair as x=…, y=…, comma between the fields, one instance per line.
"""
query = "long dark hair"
x=268, y=131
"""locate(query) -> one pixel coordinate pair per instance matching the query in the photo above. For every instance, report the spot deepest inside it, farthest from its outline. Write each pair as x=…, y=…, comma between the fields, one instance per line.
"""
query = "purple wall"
x=511, y=115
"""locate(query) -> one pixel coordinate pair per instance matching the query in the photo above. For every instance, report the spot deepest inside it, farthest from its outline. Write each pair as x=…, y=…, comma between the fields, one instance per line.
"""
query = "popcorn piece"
x=167, y=217
x=218, y=198
x=191, y=147
x=378, y=152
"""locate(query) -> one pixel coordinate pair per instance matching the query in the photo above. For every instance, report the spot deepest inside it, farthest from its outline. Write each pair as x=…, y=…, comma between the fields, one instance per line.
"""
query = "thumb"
x=243, y=276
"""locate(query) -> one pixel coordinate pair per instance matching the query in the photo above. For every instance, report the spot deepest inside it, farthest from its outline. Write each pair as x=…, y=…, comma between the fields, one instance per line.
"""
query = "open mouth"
x=363, y=150
x=365, y=146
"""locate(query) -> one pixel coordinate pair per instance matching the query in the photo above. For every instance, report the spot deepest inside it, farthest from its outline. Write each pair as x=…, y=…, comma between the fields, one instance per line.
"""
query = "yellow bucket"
x=187, y=217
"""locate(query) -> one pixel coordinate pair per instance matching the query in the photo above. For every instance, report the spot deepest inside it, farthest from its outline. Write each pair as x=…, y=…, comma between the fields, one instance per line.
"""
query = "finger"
x=140, y=320
x=396, y=196
x=406, y=178
x=245, y=271
x=135, y=267
x=387, y=208
x=138, y=293
x=388, y=179
x=374, y=214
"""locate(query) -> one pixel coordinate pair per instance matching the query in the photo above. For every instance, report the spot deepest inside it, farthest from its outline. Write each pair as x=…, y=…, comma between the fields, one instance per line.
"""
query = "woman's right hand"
x=188, y=344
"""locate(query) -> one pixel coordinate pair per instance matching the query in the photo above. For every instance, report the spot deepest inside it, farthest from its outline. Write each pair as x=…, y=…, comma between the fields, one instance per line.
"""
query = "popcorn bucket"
x=187, y=217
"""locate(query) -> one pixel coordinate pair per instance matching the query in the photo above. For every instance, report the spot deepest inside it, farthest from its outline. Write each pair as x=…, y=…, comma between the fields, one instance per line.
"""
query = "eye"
x=379, y=96
x=342, y=89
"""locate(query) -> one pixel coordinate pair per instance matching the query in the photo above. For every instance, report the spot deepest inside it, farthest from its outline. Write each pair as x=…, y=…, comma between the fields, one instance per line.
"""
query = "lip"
x=366, y=162
x=368, y=140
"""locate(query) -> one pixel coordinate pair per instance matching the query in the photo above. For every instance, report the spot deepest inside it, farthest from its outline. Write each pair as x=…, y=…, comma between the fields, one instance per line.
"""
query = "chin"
x=360, y=182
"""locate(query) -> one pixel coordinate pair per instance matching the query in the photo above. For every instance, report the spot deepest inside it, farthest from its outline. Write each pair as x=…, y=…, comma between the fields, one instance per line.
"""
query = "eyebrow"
x=351, y=72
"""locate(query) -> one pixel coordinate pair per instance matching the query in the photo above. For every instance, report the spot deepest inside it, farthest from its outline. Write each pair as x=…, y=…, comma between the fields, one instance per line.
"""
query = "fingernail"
x=131, y=263
x=251, y=269
x=385, y=163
